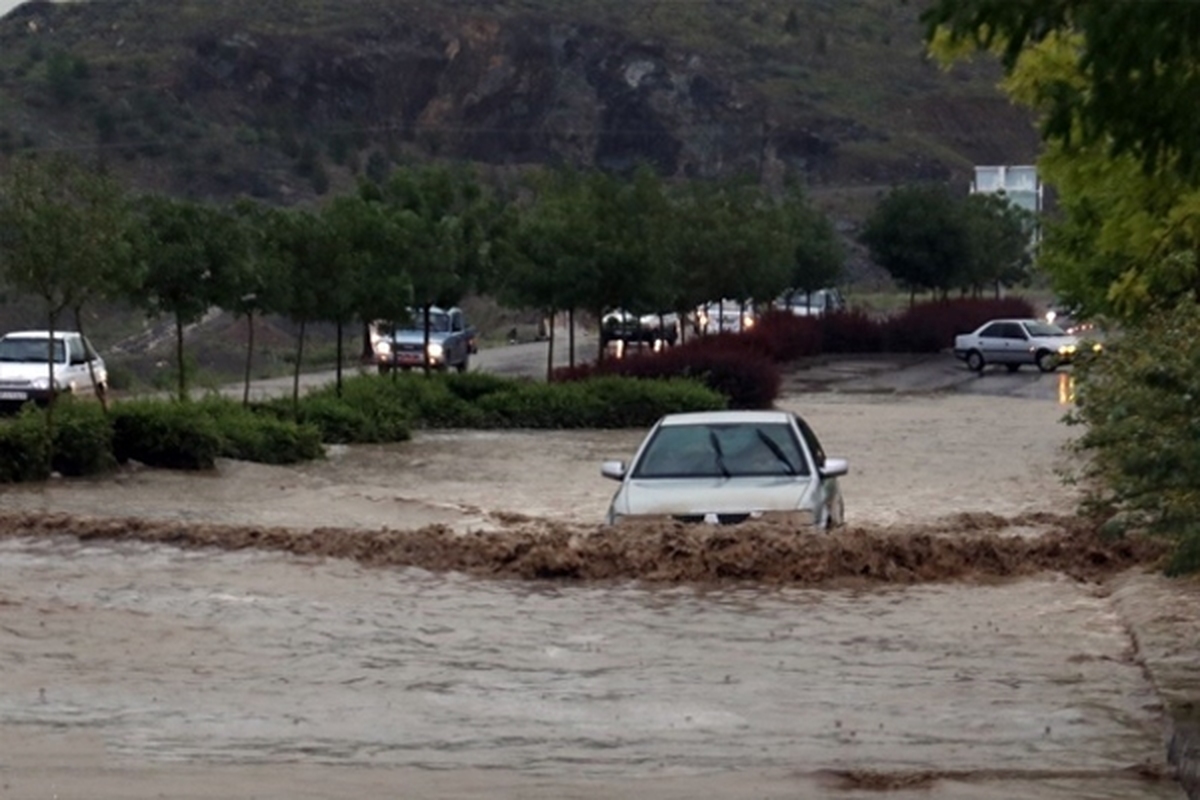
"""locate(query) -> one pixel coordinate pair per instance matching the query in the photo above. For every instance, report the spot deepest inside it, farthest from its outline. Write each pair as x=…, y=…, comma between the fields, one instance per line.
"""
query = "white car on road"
x=727, y=467
x=25, y=368
x=1013, y=342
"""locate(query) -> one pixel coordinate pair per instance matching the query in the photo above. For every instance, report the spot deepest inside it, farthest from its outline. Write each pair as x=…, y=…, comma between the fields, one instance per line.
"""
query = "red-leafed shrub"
x=784, y=337
x=931, y=327
x=725, y=363
x=851, y=332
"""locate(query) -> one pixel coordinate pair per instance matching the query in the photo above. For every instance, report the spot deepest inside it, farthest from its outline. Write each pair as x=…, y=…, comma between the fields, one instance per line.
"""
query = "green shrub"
x=83, y=438
x=261, y=437
x=471, y=386
x=608, y=402
x=1138, y=400
x=162, y=433
x=24, y=449
x=371, y=409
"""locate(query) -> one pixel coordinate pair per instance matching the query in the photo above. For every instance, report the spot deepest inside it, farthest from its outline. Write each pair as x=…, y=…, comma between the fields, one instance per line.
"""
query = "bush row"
x=371, y=409
x=480, y=400
x=744, y=366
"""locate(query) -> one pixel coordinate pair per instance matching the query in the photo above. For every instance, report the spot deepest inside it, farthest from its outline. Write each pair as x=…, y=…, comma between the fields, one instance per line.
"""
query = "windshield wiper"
x=716, y=445
x=776, y=450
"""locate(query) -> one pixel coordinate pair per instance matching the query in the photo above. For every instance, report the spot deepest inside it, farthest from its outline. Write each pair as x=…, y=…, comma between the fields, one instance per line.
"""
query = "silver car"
x=727, y=467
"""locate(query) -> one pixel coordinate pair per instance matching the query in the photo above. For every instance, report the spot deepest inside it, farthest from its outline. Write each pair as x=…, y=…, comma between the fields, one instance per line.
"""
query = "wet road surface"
x=242, y=659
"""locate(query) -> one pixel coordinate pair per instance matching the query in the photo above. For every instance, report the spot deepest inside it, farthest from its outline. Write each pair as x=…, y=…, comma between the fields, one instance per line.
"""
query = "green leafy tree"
x=817, y=256
x=1133, y=87
x=919, y=235
x=445, y=213
x=63, y=239
x=1115, y=84
x=256, y=284
x=186, y=251
x=1001, y=239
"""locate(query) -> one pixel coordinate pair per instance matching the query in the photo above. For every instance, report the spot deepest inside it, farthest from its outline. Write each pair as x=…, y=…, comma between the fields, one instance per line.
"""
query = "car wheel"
x=1012, y=367
x=1047, y=361
x=975, y=361
x=463, y=365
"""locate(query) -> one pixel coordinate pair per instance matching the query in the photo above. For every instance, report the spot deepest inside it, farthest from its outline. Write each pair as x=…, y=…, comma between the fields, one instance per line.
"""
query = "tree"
x=257, y=283
x=445, y=214
x=63, y=238
x=918, y=234
x=186, y=251
x=817, y=253
x=1001, y=239
x=1135, y=79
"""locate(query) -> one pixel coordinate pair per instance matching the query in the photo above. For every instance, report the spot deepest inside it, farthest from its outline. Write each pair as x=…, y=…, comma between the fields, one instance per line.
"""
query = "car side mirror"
x=613, y=469
x=834, y=467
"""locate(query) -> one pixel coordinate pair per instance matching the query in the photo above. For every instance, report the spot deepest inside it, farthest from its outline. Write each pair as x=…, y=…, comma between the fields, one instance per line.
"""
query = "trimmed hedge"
x=24, y=449
x=162, y=433
x=259, y=437
x=83, y=438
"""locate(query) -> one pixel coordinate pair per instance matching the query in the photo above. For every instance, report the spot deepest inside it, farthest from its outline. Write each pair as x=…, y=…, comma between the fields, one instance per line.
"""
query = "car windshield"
x=723, y=450
x=439, y=322
x=1037, y=329
x=27, y=350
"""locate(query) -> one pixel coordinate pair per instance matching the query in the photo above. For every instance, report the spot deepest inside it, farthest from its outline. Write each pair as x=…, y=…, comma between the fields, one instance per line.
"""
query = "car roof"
x=725, y=418
x=39, y=334
x=1017, y=319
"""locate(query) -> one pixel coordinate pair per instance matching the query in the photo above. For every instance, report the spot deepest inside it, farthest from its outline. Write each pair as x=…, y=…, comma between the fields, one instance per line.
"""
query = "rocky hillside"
x=289, y=100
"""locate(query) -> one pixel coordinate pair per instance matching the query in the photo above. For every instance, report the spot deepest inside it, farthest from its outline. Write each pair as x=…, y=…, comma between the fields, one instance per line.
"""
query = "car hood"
x=414, y=337
x=1055, y=342
x=25, y=370
x=714, y=495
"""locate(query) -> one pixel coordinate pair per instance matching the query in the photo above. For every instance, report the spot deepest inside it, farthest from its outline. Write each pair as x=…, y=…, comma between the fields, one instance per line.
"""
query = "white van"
x=25, y=374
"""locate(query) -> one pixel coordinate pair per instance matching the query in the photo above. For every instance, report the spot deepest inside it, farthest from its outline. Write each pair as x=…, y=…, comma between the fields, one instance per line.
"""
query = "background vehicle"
x=725, y=316
x=727, y=467
x=811, y=304
x=620, y=325
x=1013, y=342
x=25, y=373
x=451, y=341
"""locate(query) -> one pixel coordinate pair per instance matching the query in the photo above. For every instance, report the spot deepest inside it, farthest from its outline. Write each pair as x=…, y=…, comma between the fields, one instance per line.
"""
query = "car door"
x=1019, y=351
x=76, y=370
x=993, y=342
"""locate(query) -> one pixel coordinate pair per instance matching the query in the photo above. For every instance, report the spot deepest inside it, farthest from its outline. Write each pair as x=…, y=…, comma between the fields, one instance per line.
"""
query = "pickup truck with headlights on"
x=452, y=341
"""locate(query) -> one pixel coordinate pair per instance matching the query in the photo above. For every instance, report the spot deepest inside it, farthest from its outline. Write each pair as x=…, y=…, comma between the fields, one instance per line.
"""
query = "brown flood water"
x=958, y=641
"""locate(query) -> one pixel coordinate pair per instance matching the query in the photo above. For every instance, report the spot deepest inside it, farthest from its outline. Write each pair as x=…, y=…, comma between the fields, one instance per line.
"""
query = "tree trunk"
x=571, y=336
x=249, y=355
x=101, y=393
x=51, y=320
x=296, y=374
x=550, y=350
x=179, y=359
x=340, y=327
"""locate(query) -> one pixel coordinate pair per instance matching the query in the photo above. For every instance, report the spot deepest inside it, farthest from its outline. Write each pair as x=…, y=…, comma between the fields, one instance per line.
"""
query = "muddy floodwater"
x=189, y=658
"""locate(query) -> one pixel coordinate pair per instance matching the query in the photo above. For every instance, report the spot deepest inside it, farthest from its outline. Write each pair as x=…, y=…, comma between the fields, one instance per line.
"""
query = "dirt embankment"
x=963, y=546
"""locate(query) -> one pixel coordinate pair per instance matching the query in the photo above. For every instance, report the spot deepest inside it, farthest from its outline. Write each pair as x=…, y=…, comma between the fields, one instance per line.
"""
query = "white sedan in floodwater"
x=727, y=467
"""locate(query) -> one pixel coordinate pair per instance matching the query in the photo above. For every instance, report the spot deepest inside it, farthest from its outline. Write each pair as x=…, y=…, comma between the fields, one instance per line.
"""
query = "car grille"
x=15, y=384
x=722, y=519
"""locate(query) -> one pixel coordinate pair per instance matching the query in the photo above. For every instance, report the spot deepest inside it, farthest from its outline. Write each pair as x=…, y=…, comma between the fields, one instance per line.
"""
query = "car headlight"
x=747, y=322
x=1067, y=350
x=41, y=384
x=435, y=350
x=383, y=349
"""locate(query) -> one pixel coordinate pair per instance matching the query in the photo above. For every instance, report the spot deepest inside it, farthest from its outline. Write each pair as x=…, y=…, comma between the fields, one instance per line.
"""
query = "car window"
x=811, y=441
x=1012, y=330
x=29, y=350
x=1044, y=329
x=996, y=329
x=75, y=351
x=712, y=451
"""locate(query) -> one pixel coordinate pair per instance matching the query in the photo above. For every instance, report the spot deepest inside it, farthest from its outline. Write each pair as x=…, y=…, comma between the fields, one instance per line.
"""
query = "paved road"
x=872, y=374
